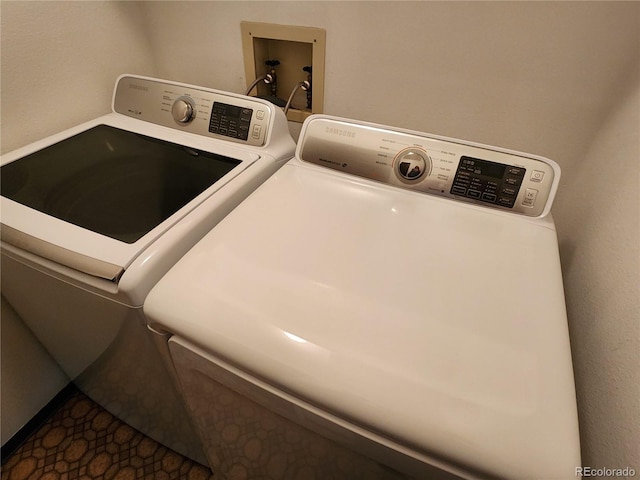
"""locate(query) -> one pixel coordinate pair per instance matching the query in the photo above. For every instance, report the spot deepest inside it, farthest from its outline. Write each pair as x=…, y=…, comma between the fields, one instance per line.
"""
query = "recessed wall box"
x=295, y=48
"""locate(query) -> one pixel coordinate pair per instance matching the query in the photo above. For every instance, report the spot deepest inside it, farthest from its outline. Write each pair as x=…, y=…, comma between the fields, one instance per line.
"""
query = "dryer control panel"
x=197, y=110
x=446, y=167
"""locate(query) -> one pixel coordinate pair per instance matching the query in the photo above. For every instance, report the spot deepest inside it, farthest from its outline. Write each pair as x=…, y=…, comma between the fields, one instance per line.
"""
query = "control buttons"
x=257, y=129
x=488, y=182
x=489, y=197
x=530, y=195
x=183, y=110
x=231, y=121
x=474, y=193
x=513, y=181
x=411, y=164
x=260, y=114
x=537, y=176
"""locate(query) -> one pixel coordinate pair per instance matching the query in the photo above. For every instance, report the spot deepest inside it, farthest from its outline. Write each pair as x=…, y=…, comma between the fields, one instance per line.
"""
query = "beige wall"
x=60, y=61
x=550, y=78
x=531, y=76
x=598, y=216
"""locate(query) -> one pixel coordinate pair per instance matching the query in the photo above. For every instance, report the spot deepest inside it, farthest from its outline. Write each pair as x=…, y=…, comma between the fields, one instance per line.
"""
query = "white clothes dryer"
x=396, y=293
x=94, y=216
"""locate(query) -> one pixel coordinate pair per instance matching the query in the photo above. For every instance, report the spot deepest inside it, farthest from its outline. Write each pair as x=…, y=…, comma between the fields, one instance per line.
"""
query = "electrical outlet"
x=296, y=49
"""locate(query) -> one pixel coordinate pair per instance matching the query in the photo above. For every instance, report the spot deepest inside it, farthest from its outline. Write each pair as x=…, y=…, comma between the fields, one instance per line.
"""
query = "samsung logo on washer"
x=340, y=132
x=138, y=87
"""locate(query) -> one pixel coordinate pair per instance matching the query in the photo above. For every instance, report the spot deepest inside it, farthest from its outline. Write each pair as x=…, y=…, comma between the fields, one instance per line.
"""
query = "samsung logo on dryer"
x=340, y=132
x=135, y=86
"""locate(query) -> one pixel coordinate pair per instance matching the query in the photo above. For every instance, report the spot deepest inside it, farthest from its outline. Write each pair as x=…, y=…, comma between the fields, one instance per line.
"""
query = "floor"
x=83, y=441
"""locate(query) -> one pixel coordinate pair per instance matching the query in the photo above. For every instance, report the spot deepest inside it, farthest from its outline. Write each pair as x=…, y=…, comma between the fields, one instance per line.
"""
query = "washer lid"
x=95, y=196
x=439, y=325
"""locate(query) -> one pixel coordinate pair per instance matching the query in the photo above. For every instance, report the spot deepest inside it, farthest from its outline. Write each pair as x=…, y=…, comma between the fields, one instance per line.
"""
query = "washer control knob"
x=411, y=164
x=183, y=110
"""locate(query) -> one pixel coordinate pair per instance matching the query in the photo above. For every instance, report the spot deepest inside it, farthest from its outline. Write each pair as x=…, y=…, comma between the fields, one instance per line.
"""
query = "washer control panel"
x=183, y=110
x=456, y=169
x=201, y=111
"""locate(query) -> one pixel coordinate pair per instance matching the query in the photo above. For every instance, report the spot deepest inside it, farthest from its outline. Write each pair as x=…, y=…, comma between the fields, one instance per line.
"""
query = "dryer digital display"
x=486, y=181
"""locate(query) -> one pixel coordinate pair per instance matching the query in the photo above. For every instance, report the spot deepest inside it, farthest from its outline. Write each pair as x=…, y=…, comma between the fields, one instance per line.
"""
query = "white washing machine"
x=392, y=292
x=94, y=216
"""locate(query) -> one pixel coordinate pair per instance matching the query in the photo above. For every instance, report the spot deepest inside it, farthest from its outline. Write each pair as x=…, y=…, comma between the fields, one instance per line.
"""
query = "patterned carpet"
x=83, y=441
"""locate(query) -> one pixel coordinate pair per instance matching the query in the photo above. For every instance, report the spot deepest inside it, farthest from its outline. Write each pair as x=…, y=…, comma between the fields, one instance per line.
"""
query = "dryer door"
x=243, y=421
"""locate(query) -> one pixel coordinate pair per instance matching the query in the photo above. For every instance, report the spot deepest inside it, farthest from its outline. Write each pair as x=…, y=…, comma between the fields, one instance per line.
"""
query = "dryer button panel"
x=488, y=182
x=455, y=169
